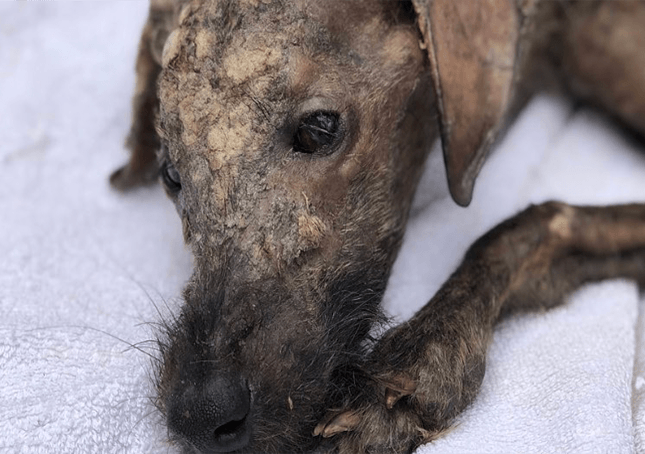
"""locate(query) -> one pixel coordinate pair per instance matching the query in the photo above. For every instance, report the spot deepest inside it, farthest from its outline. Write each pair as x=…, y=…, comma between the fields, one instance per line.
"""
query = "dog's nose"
x=211, y=416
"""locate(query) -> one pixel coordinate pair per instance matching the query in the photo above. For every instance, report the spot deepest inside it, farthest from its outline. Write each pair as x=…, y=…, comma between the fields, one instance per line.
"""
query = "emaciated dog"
x=291, y=135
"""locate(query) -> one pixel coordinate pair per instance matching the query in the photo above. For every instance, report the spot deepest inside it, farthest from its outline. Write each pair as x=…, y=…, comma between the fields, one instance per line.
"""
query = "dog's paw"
x=379, y=420
x=410, y=395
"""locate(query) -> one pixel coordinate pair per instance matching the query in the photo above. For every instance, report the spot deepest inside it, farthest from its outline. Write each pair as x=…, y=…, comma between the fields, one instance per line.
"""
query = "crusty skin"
x=292, y=250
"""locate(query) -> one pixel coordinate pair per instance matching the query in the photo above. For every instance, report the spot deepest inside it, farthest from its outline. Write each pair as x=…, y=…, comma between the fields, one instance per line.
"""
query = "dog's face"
x=294, y=135
x=294, y=139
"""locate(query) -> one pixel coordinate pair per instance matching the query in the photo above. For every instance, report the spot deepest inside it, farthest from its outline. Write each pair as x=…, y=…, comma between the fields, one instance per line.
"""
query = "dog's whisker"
x=131, y=346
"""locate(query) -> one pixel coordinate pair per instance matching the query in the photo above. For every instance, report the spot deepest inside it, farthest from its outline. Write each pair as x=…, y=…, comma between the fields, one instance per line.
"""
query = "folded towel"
x=84, y=271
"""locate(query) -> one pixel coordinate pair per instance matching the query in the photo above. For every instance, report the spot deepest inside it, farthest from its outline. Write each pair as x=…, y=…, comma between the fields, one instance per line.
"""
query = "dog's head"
x=294, y=135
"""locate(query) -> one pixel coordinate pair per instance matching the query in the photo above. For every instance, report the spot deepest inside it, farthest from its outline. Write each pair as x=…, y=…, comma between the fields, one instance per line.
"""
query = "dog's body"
x=292, y=138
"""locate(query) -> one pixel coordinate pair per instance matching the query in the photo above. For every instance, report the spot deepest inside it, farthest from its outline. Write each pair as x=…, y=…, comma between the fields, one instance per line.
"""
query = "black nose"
x=211, y=416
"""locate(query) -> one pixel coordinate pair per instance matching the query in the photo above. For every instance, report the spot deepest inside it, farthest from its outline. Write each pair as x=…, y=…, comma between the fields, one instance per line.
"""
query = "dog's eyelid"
x=170, y=176
x=318, y=103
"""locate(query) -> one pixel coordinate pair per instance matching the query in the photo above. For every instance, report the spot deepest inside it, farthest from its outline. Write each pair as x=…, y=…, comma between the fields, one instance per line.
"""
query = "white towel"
x=82, y=269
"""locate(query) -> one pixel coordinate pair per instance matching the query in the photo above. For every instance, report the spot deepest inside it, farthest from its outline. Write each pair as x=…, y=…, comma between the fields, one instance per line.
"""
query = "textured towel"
x=84, y=271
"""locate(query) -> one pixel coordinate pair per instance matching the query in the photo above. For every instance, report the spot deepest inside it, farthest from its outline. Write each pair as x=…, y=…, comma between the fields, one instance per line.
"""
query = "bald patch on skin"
x=302, y=73
x=243, y=64
x=203, y=43
x=560, y=225
x=373, y=28
x=399, y=48
x=232, y=132
x=195, y=111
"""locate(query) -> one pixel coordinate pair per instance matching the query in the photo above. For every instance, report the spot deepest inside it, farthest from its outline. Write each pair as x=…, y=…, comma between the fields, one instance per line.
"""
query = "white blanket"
x=83, y=271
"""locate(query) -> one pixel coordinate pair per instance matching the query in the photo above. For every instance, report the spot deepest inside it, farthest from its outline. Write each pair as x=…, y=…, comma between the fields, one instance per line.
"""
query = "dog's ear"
x=472, y=46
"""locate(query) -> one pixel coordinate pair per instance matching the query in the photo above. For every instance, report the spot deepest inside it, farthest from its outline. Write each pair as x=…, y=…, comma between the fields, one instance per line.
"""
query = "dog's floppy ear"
x=472, y=46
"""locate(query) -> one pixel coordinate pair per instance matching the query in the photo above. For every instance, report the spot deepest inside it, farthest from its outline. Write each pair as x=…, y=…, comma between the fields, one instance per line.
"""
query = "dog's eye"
x=317, y=133
x=170, y=177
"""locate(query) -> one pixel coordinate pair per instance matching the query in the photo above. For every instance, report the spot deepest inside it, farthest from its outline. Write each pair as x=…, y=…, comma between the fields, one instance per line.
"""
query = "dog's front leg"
x=424, y=372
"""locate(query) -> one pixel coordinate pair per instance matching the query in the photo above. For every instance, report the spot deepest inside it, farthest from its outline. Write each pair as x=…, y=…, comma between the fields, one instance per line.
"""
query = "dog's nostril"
x=230, y=428
x=230, y=436
x=211, y=417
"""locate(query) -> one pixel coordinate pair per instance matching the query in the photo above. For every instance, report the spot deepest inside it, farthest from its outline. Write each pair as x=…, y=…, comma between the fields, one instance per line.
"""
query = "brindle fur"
x=292, y=252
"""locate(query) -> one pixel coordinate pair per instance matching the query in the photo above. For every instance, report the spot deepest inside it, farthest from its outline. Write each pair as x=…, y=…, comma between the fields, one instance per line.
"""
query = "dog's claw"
x=398, y=387
x=335, y=423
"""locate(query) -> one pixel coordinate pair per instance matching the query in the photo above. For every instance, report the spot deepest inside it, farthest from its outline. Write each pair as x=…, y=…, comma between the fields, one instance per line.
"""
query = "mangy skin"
x=293, y=250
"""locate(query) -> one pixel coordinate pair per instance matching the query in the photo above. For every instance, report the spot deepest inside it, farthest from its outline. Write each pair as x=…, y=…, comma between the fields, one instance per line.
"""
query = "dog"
x=291, y=136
